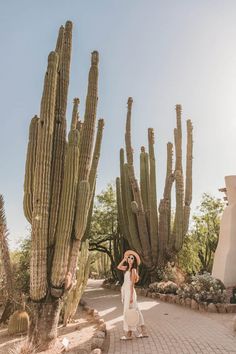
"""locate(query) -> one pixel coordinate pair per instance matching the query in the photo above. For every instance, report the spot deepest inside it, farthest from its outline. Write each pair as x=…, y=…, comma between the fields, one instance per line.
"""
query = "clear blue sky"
x=159, y=52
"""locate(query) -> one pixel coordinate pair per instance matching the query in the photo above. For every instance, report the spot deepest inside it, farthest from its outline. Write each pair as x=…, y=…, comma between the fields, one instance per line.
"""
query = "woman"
x=129, y=265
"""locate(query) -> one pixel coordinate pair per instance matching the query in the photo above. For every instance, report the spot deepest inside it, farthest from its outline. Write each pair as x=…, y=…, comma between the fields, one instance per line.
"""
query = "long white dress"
x=125, y=297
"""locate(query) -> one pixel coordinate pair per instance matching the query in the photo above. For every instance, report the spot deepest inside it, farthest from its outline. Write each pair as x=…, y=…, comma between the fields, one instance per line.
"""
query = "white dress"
x=125, y=298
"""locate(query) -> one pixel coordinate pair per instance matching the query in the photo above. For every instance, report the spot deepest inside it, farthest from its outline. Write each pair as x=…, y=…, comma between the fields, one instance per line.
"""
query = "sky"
x=160, y=52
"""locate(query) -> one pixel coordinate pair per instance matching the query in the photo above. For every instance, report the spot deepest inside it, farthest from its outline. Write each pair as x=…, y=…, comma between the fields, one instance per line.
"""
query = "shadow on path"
x=172, y=328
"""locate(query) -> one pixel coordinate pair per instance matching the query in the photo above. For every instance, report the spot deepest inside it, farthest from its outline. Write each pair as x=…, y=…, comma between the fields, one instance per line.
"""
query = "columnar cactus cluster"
x=147, y=228
x=60, y=174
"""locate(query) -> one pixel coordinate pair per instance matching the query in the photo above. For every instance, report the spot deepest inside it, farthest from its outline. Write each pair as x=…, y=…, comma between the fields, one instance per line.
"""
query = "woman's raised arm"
x=121, y=266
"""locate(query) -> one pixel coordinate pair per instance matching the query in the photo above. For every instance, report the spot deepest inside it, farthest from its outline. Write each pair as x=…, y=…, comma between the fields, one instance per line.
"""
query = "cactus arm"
x=63, y=49
x=124, y=198
x=30, y=168
x=179, y=182
x=82, y=212
x=96, y=157
x=132, y=223
x=66, y=211
x=137, y=208
x=88, y=131
x=120, y=210
x=188, y=177
x=153, y=198
x=41, y=198
x=165, y=209
x=145, y=183
x=85, y=158
x=75, y=294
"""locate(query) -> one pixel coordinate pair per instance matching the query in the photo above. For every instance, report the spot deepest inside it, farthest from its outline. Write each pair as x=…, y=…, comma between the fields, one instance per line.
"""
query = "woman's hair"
x=134, y=266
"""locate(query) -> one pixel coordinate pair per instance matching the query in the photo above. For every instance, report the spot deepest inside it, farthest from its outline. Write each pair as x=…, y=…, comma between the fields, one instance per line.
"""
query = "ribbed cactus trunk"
x=60, y=177
x=76, y=293
x=6, y=262
x=145, y=226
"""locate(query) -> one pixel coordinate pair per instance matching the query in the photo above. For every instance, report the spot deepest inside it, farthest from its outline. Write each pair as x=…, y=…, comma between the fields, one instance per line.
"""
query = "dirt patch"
x=79, y=334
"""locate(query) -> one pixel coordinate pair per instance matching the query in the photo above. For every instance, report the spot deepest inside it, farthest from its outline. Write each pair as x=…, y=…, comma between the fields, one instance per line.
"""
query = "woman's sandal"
x=144, y=332
x=126, y=338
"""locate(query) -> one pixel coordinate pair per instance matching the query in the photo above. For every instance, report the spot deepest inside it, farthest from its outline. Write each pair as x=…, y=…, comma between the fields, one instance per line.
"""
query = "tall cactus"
x=59, y=184
x=7, y=266
x=146, y=226
x=75, y=294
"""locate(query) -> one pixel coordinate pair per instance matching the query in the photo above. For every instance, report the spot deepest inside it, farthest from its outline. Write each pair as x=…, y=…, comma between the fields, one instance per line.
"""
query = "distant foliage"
x=21, y=266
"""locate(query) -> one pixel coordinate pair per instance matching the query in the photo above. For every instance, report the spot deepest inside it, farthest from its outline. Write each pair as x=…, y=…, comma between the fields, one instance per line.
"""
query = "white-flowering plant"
x=203, y=288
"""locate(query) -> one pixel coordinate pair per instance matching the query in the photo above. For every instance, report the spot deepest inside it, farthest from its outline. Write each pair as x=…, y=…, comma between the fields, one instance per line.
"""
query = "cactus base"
x=43, y=324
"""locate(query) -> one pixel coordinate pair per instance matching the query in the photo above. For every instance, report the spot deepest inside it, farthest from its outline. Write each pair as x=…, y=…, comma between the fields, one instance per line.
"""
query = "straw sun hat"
x=135, y=254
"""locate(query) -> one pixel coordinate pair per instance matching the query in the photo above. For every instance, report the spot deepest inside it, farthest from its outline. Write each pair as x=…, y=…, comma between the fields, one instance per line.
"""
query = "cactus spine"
x=149, y=226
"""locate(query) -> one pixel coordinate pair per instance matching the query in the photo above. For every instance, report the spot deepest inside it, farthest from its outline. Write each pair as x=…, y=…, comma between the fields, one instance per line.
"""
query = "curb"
x=98, y=339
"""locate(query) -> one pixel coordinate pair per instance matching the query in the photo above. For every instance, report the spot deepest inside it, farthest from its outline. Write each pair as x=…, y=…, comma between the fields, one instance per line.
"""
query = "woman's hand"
x=131, y=300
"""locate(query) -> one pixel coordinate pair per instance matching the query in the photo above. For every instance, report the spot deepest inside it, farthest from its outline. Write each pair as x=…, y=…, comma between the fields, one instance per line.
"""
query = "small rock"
x=234, y=323
x=211, y=308
x=202, y=307
x=99, y=334
x=194, y=305
x=102, y=327
x=162, y=297
x=90, y=311
x=97, y=343
x=221, y=308
x=96, y=351
x=82, y=302
x=231, y=308
x=182, y=302
x=177, y=299
x=188, y=302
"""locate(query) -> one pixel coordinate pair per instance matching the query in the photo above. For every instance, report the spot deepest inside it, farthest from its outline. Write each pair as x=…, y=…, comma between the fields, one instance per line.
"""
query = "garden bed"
x=176, y=299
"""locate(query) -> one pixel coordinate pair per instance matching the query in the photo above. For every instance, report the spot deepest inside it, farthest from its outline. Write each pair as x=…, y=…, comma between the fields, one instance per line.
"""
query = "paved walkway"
x=172, y=328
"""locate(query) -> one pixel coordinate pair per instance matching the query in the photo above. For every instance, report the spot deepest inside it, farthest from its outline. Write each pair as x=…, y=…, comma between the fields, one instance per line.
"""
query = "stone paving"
x=172, y=328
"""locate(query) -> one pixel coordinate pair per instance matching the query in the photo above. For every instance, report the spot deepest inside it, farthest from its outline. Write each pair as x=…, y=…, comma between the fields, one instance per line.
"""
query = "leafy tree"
x=21, y=266
x=104, y=235
x=200, y=244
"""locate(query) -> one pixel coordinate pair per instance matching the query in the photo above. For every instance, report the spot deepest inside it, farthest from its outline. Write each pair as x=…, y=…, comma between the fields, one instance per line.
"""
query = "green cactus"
x=7, y=266
x=59, y=188
x=149, y=229
x=18, y=322
x=82, y=275
x=30, y=168
x=63, y=48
